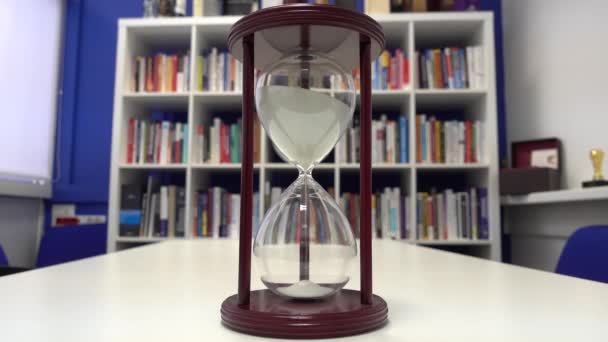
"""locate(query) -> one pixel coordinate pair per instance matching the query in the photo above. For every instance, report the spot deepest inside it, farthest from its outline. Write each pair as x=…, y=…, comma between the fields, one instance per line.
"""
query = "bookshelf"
x=406, y=31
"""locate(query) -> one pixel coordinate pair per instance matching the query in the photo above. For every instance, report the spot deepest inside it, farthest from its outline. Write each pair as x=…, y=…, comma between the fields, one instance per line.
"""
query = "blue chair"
x=59, y=245
x=586, y=254
x=3, y=259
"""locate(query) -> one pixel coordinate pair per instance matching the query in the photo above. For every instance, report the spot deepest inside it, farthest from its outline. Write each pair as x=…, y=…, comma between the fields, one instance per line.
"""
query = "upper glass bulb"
x=305, y=102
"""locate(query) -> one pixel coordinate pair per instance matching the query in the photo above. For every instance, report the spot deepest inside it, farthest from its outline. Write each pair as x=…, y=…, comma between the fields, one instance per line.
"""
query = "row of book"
x=390, y=6
x=397, y=6
x=451, y=142
x=158, y=210
x=219, y=143
x=390, y=71
x=390, y=141
x=217, y=213
x=156, y=142
x=389, y=213
x=451, y=215
x=451, y=68
x=164, y=8
x=162, y=72
x=218, y=71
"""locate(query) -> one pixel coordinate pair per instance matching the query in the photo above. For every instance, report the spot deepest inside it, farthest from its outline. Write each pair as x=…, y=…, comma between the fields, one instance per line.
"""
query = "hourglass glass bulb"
x=305, y=243
x=306, y=109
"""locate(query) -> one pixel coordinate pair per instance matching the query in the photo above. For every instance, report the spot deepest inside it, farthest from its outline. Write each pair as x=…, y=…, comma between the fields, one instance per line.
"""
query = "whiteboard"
x=31, y=40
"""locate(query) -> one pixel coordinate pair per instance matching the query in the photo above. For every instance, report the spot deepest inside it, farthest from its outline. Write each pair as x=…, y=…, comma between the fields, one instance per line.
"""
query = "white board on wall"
x=31, y=41
x=556, y=77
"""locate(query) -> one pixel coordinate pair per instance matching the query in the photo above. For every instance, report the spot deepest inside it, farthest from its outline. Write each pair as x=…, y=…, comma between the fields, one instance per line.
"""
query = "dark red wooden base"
x=270, y=315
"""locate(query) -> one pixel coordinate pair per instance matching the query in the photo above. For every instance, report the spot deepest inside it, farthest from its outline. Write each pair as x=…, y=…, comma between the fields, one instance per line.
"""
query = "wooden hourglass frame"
x=352, y=40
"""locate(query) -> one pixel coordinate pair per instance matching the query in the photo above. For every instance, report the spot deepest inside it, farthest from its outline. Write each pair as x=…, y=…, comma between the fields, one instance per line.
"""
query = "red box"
x=521, y=178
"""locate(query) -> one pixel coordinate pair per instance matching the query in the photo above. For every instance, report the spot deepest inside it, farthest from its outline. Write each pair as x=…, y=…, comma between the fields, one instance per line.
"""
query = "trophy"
x=597, y=158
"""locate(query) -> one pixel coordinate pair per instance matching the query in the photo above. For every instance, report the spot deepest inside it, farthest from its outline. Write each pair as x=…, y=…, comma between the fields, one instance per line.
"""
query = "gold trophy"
x=597, y=158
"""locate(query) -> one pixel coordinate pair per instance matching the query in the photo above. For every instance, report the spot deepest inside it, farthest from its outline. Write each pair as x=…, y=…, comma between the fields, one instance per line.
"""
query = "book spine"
x=175, y=71
x=423, y=74
x=466, y=212
x=163, y=142
x=438, y=155
x=213, y=70
x=463, y=65
x=217, y=211
x=470, y=69
x=403, y=139
x=483, y=214
x=474, y=215
x=395, y=73
x=184, y=143
x=456, y=66
x=130, y=140
x=164, y=211
x=390, y=142
x=449, y=67
x=385, y=59
x=429, y=69
x=186, y=72
x=399, y=73
x=479, y=66
x=205, y=214
x=468, y=142
x=143, y=136
x=234, y=144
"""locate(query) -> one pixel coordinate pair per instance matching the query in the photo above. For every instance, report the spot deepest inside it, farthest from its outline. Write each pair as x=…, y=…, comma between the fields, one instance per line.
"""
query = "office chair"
x=61, y=245
x=586, y=254
x=3, y=259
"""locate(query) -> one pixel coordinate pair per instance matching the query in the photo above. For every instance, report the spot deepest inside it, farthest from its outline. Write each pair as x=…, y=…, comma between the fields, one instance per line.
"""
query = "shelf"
x=444, y=98
x=232, y=99
x=220, y=166
x=153, y=166
x=159, y=100
x=219, y=100
x=137, y=239
x=560, y=196
x=459, y=166
x=407, y=31
x=453, y=242
x=377, y=166
x=286, y=166
x=388, y=98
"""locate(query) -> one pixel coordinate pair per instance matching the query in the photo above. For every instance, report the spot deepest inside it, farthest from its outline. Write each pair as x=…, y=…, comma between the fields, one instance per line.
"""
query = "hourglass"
x=305, y=98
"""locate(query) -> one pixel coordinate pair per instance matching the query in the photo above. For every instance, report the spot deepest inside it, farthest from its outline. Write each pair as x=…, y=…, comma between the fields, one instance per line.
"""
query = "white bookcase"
x=406, y=31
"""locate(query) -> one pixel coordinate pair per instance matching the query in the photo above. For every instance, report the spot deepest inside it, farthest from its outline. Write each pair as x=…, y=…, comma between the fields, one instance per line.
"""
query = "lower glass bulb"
x=305, y=244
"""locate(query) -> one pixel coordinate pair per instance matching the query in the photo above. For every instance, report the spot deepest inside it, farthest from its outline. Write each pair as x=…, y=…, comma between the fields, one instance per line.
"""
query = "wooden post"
x=246, y=174
x=365, y=187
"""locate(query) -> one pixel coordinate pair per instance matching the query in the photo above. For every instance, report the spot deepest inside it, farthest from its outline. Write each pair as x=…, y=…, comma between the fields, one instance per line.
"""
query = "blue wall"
x=84, y=135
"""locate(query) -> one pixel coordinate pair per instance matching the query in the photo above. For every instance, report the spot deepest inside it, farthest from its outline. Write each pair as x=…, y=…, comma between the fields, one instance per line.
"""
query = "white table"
x=172, y=292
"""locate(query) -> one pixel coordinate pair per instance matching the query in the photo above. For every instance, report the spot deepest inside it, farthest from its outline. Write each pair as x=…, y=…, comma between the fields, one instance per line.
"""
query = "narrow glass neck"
x=305, y=171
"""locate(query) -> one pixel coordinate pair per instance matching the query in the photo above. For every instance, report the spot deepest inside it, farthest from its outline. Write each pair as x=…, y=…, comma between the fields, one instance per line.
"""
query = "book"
x=172, y=210
x=130, y=215
x=180, y=208
x=450, y=67
x=377, y=6
x=163, y=72
x=448, y=141
x=403, y=139
x=452, y=215
x=164, y=211
x=483, y=232
x=218, y=213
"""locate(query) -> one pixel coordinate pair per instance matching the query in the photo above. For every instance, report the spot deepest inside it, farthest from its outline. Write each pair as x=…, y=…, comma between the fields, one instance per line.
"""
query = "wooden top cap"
x=331, y=30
